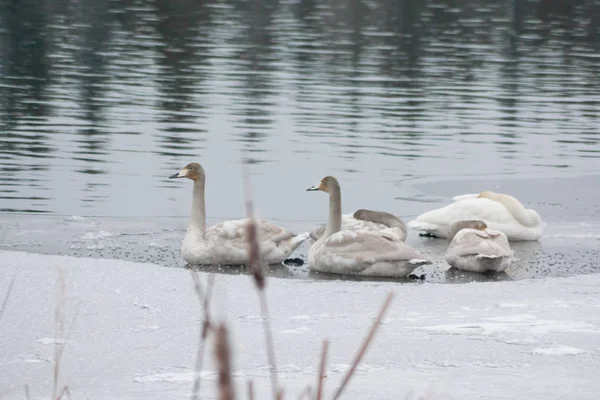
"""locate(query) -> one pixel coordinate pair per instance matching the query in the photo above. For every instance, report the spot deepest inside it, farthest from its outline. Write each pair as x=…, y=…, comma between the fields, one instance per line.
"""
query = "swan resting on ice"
x=226, y=243
x=366, y=253
x=475, y=248
x=500, y=212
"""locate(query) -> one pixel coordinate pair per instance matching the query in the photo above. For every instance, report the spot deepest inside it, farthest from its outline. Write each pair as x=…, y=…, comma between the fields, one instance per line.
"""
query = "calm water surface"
x=101, y=100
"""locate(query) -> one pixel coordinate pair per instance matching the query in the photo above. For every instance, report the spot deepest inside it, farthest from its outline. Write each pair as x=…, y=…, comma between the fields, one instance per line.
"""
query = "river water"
x=407, y=103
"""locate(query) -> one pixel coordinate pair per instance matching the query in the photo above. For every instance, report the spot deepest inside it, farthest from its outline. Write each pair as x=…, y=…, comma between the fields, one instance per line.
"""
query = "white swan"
x=368, y=253
x=475, y=248
x=225, y=243
x=499, y=211
x=367, y=220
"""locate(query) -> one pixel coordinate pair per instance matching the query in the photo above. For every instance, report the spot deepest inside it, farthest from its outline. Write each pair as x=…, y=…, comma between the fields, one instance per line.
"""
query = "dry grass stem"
x=255, y=266
x=59, y=321
x=60, y=339
x=250, y=390
x=364, y=346
x=204, y=297
x=7, y=296
x=254, y=261
x=305, y=393
x=223, y=359
x=321, y=376
x=264, y=310
x=65, y=392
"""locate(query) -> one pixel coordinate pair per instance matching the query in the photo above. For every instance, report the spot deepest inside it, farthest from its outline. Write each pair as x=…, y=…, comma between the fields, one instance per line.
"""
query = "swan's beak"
x=316, y=187
x=180, y=174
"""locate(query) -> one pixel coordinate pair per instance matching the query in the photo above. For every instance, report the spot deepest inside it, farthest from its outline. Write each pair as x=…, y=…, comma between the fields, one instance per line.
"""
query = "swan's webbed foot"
x=293, y=262
x=429, y=235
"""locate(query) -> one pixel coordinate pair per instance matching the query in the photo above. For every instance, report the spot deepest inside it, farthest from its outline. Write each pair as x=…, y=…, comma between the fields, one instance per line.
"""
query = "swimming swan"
x=475, y=248
x=368, y=220
x=225, y=243
x=368, y=253
x=499, y=211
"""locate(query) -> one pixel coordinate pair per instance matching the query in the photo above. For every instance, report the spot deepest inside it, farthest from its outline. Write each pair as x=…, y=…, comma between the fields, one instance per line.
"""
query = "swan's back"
x=479, y=250
x=349, y=223
x=364, y=253
x=494, y=213
x=478, y=242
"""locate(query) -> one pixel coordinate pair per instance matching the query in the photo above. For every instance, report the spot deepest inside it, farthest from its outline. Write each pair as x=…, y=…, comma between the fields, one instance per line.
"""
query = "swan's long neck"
x=334, y=223
x=197, y=222
x=520, y=213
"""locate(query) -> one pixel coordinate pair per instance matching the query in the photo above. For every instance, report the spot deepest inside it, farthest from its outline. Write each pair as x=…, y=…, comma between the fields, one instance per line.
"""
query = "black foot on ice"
x=293, y=262
x=417, y=277
x=429, y=235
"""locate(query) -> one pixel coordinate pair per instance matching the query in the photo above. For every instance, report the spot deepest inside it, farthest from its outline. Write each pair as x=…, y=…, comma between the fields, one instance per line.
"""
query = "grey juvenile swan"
x=367, y=253
x=473, y=247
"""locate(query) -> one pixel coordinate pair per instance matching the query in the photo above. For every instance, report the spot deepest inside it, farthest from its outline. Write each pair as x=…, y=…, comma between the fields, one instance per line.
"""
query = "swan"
x=475, y=248
x=499, y=211
x=225, y=243
x=368, y=220
x=367, y=253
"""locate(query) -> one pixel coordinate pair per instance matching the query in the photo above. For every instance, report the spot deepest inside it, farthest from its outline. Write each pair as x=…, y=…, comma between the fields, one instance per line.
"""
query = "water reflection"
x=90, y=88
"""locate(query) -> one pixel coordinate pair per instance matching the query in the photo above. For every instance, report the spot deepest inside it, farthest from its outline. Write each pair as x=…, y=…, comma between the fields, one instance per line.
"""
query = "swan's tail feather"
x=465, y=196
x=300, y=238
x=485, y=256
x=316, y=233
x=421, y=225
x=419, y=262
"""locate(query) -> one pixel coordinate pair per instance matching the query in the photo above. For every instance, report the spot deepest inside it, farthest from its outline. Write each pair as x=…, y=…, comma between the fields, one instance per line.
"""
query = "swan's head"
x=326, y=184
x=454, y=228
x=487, y=195
x=475, y=224
x=193, y=171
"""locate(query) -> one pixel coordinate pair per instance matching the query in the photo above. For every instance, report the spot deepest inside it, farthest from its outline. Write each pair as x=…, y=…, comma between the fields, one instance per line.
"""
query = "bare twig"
x=321, y=376
x=27, y=396
x=364, y=346
x=206, y=326
x=255, y=266
x=7, y=296
x=223, y=359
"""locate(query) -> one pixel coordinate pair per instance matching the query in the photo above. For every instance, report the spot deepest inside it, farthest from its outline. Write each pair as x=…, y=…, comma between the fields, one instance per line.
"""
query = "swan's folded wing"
x=474, y=242
x=317, y=233
x=235, y=231
x=370, y=247
x=228, y=230
x=383, y=221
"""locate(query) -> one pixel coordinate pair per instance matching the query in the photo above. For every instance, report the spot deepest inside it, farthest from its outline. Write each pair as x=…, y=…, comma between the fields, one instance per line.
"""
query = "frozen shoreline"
x=136, y=333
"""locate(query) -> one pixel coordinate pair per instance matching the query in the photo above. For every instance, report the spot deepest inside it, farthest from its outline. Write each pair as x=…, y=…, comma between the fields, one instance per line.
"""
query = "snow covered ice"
x=132, y=333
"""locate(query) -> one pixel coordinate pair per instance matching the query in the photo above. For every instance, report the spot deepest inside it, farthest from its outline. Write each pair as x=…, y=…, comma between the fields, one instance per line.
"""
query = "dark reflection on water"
x=102, y=97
